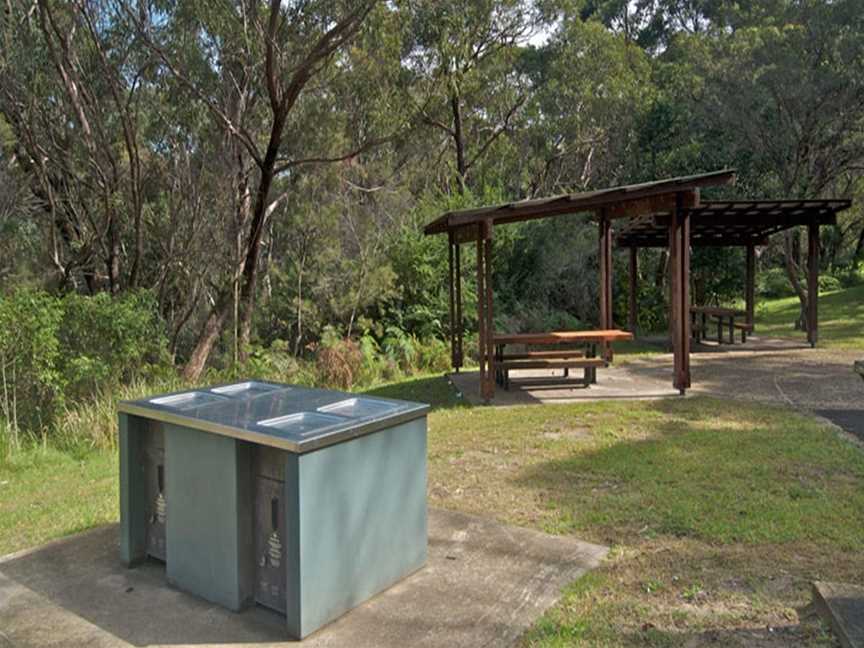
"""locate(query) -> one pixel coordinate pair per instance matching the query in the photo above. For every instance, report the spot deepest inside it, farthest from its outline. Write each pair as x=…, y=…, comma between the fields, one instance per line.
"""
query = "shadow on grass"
x=437, y=391
x=707, y=471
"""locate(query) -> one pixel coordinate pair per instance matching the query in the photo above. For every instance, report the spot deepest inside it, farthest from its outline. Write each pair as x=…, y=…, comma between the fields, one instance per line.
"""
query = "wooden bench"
x=720, y=314
x=530, y=355
x=745, y=328
x=589, y=377
x=565, y=359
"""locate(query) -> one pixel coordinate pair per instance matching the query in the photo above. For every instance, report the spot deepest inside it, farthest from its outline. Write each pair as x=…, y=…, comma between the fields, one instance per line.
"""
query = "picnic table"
x=722, y=315
x=584, y=357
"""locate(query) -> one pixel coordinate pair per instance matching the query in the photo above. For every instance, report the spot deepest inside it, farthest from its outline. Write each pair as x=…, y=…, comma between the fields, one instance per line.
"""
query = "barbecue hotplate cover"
x=295, y=418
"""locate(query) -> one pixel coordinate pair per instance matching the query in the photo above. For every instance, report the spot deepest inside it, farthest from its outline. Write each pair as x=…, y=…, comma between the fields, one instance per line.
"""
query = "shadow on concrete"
x=484, y=584
x=83, y=592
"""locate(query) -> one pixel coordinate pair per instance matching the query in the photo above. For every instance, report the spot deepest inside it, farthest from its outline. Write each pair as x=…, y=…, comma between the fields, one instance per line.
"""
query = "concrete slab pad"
x=484, y=585
x=765, y=369
x=842, y=606
x=528, y=386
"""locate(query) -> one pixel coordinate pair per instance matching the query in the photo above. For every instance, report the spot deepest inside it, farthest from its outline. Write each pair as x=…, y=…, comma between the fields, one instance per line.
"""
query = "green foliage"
x=773, y=282
x=57, y=351
x=850, y=275
x=105, y=341
x=653, y=308
x=828, y=283
x=718, y=274
x=32, y=386
x=420, y=265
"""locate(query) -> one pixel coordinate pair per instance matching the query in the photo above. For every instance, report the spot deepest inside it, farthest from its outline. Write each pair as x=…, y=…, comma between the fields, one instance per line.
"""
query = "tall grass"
x=91, y=423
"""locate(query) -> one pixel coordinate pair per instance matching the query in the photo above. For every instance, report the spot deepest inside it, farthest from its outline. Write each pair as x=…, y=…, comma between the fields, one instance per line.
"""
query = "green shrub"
x=433, y=355
x=56, y=352
x=773, y=282
x=828, y=283
x=31, y=392
x=107, y=340
x=275, y=363
x=850, y=275
x=529, y=318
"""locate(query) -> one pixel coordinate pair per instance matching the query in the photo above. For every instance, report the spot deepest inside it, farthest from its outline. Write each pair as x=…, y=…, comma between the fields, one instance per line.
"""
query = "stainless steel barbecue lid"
x=298, y=419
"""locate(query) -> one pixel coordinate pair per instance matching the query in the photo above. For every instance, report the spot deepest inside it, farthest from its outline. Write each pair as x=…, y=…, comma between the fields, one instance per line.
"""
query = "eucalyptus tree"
x=592, y=88
x=70, y=91
x=470, y=89
x=120, y=179
x=786, y=88
x=251, y=63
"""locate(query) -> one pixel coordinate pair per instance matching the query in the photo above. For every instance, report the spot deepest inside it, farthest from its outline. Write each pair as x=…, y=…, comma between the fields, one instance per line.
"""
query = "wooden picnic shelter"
x=663, y=213
x=739, y=223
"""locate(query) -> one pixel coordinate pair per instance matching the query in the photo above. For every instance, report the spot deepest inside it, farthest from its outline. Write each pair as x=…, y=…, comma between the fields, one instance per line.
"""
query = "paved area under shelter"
x=771, y=370
x=484, y=585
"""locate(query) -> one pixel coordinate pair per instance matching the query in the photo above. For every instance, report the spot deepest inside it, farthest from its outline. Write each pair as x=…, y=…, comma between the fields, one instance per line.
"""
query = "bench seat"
x=552, y=363
x=590, y=365
x=745, y=328
x=557, y=355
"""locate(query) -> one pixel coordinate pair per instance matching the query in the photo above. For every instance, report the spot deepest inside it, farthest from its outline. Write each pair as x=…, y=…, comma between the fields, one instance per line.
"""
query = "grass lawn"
x=46, y=494
x=841, y=318
x=718, y=517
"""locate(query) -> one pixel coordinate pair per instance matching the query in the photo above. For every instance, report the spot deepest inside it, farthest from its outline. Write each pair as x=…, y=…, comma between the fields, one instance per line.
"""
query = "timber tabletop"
x=555, y=337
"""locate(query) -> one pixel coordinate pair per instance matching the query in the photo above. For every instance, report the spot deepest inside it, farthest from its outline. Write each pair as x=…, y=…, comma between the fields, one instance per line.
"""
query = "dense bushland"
x=66, y=361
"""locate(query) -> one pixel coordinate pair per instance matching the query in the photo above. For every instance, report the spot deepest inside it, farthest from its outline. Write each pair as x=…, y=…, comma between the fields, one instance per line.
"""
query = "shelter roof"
x=626, y=200
x=728, y=223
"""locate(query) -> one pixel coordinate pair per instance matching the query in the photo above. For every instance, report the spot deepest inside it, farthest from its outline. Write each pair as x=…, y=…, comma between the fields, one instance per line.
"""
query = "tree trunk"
x=459, y=143
x=209, y=335
x=793, y=273
x=660, y=273
x=256, y=230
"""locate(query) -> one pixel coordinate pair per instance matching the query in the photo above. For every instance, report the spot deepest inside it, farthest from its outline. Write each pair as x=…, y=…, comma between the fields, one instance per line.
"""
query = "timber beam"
x=652, y=205
x=760, y=220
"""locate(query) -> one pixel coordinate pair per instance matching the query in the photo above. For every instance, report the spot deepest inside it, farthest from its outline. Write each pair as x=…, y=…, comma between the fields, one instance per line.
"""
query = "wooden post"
x=605, y=262
x=452, y=285
x=489, y=388
x=813, y=284
x=679, y=271
x=674, y=296
x=481, y=315
x=685, y=280
x=631, y=302
x=484, y=310
x=750, y=289
x=459, y=321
